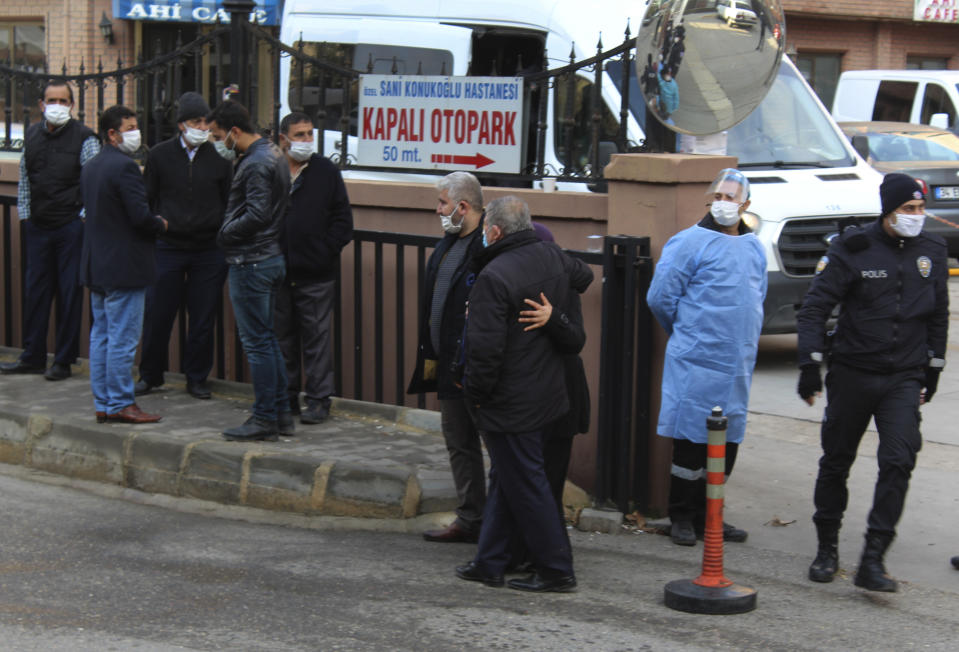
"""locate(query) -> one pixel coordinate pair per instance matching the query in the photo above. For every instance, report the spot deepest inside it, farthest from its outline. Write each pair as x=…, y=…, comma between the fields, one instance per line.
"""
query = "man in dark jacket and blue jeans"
x=442, y=319
x=250, y=237
x=514, y=383
x=318, y=225
x=188, y=183
x=117, y=264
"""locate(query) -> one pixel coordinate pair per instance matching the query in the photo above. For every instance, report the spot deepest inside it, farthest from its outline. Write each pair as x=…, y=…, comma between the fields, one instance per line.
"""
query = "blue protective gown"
x=708, y=293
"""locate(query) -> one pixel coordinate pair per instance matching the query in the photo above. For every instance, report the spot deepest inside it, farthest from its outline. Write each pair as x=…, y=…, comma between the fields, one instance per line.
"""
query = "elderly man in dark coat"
x=117, y=264
x=514, y=383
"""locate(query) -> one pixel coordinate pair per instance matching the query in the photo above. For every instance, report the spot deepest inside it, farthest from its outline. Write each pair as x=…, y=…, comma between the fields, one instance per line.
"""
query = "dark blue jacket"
x=516, y=378
x=895, y=303
x=119, y=242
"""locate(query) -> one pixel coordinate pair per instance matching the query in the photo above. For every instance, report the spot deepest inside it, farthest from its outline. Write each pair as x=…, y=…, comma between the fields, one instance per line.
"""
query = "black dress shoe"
x=454, y=533
x=143, y=387
x=538, y=584
x=198, y=390
x=254, y=429
x=471, y=573
x=955, y=562
x=20, y=367
x=57, y=371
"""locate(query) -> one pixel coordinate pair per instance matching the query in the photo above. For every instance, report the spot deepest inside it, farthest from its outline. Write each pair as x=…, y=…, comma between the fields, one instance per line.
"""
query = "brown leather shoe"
x=101, y=417
x=133, y=414
x=455, y=533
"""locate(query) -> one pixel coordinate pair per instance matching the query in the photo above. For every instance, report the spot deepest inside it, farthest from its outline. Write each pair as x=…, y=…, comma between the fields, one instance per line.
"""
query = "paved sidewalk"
x=368, y=460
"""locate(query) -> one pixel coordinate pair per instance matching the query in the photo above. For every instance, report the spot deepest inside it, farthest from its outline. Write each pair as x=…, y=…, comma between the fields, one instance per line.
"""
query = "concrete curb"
x=302, y=479
x=254, y=475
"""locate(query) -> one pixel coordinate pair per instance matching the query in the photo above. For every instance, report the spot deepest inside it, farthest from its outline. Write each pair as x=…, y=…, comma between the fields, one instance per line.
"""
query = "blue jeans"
x=117, y=321
x=253, y=290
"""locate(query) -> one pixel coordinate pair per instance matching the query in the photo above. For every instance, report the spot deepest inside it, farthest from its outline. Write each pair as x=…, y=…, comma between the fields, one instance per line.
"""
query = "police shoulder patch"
x=924, y=265
x=821, y=265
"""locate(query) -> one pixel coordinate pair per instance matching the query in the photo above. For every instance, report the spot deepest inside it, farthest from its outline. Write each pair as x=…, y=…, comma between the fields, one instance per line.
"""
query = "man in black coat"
x=188, y=183
x=49, y=207
x=442, y=319
x=514, y=382
x=117, y=264
x=319, y=224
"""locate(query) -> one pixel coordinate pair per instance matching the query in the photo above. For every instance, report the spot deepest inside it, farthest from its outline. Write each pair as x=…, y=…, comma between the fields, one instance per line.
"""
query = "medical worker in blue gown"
x=707, y=293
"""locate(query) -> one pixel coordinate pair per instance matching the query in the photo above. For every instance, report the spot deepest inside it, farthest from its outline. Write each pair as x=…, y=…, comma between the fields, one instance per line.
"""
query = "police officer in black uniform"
x=887, y=352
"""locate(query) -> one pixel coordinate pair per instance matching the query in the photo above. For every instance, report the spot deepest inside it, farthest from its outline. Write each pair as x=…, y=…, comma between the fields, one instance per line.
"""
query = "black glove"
x=932, y=381
x=810, y=381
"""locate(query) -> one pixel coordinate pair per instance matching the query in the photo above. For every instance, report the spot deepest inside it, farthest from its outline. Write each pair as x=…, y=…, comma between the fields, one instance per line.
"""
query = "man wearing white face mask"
x=886, y=354
x=117, y=264
x=707, y=293
x=319, y=223
x=49, y=207
x=442, y=319
x=187, y=183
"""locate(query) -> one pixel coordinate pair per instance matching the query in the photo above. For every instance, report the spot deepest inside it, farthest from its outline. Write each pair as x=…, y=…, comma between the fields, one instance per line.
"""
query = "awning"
x=266, y=12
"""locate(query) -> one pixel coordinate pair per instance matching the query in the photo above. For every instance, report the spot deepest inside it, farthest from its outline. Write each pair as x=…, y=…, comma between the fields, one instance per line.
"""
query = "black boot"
x=826, y=563
x=872, y=574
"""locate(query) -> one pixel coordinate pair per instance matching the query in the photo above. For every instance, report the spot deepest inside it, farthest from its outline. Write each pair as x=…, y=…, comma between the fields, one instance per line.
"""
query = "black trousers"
x=196, y=276
x=53, y=272
x=687, y=480
x=854, y=398
x=520, y=501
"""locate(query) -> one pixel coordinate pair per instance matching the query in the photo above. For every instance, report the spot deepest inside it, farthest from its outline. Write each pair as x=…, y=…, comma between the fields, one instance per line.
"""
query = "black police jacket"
x=894, y=312
x=259, y=196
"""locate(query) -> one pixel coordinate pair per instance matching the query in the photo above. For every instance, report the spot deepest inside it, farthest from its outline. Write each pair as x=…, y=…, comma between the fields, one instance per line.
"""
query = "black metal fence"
x=588, y=132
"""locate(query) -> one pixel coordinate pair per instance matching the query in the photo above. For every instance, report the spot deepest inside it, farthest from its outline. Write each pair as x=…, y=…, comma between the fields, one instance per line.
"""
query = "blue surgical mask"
x=485, y=241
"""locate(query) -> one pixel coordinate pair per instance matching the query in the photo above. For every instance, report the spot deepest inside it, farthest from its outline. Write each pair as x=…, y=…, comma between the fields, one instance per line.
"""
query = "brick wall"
x=868, y=44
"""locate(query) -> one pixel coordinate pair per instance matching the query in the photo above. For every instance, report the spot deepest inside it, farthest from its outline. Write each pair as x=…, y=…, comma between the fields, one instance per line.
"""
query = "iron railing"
x=584, y=136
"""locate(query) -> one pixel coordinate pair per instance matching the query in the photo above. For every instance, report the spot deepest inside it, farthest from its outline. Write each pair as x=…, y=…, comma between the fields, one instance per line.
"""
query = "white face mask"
x=56, y=114
x=908, y=226
x=195, y=137
x=726, y=213
x=299, y=151
x=223, y=150
x=448, y=226
x=130, y=142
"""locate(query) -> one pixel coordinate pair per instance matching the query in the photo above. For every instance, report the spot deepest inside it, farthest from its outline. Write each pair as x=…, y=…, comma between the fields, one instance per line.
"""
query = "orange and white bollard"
x=712, y=592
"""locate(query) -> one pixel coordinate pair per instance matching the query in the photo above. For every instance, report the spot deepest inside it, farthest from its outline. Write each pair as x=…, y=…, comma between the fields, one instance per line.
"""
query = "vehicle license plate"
x=947, y=192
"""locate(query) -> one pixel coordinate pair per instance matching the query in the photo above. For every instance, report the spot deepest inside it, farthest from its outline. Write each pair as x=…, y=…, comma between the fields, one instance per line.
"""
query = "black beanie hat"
x=896, y=189
x=192, y=105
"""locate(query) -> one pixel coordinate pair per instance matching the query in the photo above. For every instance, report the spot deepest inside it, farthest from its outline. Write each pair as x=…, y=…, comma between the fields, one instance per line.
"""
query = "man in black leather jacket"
x=250, y=238
x=887, y=352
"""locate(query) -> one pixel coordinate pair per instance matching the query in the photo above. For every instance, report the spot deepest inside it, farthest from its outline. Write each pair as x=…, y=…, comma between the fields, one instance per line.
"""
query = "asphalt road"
x=91, y=567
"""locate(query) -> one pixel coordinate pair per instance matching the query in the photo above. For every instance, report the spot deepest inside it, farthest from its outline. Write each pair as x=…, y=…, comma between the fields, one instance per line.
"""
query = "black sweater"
x=190, y=195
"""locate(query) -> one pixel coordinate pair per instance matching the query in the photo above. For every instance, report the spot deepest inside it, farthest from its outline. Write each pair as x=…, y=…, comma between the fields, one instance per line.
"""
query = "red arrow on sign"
x=479, y=160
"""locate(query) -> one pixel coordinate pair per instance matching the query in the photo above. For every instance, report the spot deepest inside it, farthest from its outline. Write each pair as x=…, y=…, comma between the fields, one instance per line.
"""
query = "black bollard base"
x=684, y=595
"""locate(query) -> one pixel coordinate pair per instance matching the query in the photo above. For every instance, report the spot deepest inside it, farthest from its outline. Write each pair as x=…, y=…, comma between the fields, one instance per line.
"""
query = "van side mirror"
x=860, y=143
x=939, y=121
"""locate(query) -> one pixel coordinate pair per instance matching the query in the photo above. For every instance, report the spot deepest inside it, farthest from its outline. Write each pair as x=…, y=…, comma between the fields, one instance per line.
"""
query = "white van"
x=804, y=173
x=928, y=97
